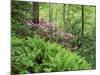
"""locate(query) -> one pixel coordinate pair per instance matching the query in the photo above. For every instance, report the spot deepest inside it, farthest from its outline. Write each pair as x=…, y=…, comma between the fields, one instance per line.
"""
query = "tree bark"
x=64, y=19
x=50, y=12
x=56, y=16
x=68, y=19
x=36, y=12
x=82, y=33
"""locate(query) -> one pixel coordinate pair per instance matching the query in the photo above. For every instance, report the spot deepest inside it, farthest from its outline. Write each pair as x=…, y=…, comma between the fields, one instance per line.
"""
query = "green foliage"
x=32, y=55
x=20, y=29
x=21, y=10
x=89, y=49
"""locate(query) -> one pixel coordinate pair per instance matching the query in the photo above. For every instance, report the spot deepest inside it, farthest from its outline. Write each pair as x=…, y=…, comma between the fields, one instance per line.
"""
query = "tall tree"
x=50, y=12
x=68, y=13
x=36, y=12
x=56, y=16
x=82, y=33
x=64, y=18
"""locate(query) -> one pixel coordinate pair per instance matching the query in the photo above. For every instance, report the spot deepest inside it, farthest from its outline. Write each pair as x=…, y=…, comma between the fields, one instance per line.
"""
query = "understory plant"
x=50, y=31
x=35, y=55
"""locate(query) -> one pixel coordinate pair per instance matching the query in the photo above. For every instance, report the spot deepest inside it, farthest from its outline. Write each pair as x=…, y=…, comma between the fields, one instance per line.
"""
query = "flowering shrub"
x=50, y=31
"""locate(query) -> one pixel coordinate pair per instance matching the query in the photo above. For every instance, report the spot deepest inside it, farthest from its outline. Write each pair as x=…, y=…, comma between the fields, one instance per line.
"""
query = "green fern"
x=36, y=55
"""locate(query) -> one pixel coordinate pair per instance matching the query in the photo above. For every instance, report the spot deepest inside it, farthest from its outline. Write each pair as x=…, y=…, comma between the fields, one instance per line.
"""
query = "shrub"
x=20, y=29
x=34, y=55
x=45, y=29
x=50, y=31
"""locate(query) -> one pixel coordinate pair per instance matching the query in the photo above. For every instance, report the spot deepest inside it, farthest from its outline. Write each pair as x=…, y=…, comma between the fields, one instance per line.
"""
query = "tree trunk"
x=50, y=12
x=82, y=33
x=56, y=16
x=68, y=13
x=36, y=12
x=64, y=19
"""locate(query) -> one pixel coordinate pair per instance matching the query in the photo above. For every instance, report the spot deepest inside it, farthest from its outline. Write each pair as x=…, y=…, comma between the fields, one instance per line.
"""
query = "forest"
x=52, y=37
